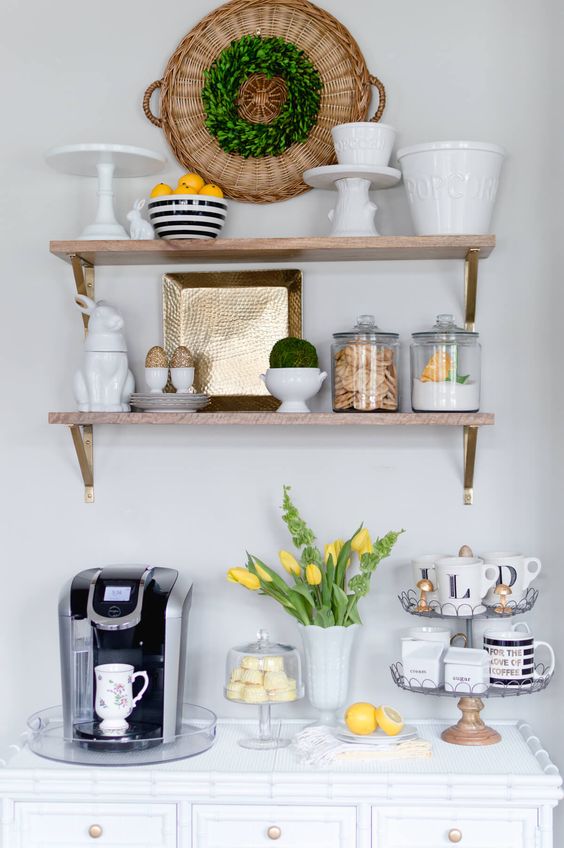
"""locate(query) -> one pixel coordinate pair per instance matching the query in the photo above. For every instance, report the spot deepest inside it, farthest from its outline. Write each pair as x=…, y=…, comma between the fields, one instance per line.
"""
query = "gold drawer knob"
x=455, y=835
x=95, y=831
x=274, y=832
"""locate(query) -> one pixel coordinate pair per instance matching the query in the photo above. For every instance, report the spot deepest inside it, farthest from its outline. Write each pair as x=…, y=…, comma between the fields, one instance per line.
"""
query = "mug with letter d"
x=514, y=570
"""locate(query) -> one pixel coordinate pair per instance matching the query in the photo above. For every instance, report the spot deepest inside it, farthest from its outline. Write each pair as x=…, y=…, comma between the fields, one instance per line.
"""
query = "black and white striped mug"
x=512, y=657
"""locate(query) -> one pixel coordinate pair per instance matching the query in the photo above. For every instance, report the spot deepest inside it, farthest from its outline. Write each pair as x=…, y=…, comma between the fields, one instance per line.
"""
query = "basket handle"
x=147, y=103
x=381, y=97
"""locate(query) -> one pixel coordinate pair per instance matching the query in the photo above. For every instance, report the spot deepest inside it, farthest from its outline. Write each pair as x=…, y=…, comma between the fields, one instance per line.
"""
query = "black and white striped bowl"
x=187, y=216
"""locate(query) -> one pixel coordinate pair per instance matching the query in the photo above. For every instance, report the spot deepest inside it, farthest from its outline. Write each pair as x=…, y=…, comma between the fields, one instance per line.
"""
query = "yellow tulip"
x=244, y=577
x=330, y=551
x=334, y=549
x=313, y=574
x=264, y=575
x=362, y=543
x=289, y=562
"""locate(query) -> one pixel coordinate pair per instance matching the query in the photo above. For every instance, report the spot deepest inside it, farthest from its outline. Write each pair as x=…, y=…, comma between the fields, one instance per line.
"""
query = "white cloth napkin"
x=317, y=746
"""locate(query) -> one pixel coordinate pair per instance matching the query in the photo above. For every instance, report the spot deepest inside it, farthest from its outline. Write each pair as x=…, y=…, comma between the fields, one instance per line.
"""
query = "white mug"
x=512, y=657
x=434, y=634
x=424, y=569
x=114, y=695
x=514, y=570
x=463, y=583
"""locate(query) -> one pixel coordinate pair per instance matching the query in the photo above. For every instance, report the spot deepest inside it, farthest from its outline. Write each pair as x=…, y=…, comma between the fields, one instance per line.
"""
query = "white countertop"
x=516, y=768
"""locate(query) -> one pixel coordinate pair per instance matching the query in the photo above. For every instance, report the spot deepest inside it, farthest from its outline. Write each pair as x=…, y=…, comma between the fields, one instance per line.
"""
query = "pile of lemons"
x=188, y=184
x=362, y=718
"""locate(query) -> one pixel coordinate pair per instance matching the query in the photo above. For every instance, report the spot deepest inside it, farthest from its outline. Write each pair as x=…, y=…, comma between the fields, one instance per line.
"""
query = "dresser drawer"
x=103, y=825
x=443, y=827
x=225, y=826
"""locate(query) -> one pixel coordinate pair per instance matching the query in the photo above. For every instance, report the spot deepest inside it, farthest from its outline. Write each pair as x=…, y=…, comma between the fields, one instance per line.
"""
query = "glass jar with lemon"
x=445, y=368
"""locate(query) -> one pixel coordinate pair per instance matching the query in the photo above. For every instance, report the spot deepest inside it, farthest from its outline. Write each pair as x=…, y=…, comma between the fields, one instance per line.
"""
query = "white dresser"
x=492, y=797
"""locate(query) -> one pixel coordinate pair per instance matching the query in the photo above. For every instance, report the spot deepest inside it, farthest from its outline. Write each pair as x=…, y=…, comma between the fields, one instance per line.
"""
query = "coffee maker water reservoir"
x=131, y=615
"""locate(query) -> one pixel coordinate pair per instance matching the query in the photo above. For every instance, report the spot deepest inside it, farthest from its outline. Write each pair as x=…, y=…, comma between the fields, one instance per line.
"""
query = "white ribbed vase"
x=327, y=666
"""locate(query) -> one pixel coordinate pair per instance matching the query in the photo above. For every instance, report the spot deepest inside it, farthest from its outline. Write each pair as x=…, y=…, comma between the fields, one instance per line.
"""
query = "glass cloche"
x=263, y=673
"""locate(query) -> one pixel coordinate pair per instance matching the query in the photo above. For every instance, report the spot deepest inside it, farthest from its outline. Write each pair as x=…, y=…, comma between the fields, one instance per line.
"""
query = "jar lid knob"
x=445, y=321
x=366, y=322
x=263, y=636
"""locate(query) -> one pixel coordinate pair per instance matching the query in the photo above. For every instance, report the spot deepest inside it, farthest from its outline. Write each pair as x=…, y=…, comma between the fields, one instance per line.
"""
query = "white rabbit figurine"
x=139, y=228
x=104, y=383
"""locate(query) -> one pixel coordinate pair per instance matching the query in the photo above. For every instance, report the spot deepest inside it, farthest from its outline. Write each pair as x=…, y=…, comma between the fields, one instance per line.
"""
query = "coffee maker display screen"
x=117, y=593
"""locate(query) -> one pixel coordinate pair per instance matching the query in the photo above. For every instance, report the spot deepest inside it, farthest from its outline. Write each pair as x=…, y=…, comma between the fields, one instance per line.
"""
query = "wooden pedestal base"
x=471, y=730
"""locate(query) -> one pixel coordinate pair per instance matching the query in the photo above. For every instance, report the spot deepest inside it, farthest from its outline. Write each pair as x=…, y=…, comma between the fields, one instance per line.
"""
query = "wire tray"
x=410, y=600
x=480, y=690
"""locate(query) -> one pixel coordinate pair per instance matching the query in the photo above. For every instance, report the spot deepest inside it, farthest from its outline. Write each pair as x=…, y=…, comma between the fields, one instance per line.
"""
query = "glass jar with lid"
x=445, y=368
x=365, y=368
x=263, y=673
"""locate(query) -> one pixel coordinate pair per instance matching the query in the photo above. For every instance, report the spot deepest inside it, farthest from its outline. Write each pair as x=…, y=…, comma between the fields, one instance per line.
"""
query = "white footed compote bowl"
x=105, y=161
x=354, y=213
x=293, y=386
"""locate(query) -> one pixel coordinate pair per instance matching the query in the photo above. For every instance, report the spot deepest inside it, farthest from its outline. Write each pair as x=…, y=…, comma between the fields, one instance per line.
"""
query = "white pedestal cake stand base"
x=354, y=213
x=105, y=161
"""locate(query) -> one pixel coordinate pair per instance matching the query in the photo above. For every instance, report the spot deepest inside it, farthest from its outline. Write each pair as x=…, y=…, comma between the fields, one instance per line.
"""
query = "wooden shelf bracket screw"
x=83, y=441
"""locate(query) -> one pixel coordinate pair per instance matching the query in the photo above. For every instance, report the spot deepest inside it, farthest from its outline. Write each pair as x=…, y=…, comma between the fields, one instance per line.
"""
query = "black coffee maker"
x=135, y=615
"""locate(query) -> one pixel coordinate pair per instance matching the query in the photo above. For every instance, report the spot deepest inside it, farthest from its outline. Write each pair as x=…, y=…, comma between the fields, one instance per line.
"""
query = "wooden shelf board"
x=374, y=419
x=313, y=249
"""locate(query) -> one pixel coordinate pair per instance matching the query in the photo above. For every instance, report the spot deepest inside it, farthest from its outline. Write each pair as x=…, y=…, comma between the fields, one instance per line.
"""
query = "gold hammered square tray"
x=230, y=320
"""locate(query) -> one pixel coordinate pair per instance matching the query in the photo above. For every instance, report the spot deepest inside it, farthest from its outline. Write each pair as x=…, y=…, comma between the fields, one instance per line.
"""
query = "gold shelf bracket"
x=83, y=441
x=471, y=287
x=84, y=279
x=470, y=442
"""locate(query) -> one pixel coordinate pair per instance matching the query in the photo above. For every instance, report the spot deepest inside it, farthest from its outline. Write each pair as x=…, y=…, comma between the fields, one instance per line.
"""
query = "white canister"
x=363, y=143
x=451, y=186
x=467, y=670
x=422, y=662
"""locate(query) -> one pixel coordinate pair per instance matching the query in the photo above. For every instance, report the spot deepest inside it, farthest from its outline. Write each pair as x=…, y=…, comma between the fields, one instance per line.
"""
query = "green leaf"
x=326, y=583
x=339, y=604
x=299, y=605
x=303, y=590
x=324, y=617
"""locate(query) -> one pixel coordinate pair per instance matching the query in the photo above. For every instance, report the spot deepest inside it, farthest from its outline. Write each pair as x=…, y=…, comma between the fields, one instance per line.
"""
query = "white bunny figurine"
x=139, y=228
x=104, y=383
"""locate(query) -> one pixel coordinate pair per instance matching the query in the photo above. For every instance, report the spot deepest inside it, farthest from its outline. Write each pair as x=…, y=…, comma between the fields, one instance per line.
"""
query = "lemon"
x=438, y=368
x=360, y=718
x=182, y=189
x=160, y=190
x=211, y=190
x=192, y=182
x=389, y=720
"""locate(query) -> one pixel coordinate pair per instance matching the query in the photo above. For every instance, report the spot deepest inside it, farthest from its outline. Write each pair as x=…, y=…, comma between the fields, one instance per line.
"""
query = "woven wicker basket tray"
x=345, y=95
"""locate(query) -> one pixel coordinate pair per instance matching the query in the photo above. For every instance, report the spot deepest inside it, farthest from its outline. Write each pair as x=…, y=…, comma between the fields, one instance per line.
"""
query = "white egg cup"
x=156, y=379
x=182, y=379
x=293, y=386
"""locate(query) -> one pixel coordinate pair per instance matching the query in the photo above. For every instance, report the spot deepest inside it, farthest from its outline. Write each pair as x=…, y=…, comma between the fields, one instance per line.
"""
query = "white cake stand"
x=105, y=161
x=354, y=213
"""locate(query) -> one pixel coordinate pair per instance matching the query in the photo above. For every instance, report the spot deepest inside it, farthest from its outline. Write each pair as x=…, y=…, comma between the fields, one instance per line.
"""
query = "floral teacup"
x=114, y=695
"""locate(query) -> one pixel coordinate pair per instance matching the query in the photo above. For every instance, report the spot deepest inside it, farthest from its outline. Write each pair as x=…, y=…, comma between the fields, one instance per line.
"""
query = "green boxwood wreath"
x=272, y=56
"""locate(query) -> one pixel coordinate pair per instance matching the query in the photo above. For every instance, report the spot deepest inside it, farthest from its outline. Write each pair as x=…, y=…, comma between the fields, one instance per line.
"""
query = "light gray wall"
x=196, y=499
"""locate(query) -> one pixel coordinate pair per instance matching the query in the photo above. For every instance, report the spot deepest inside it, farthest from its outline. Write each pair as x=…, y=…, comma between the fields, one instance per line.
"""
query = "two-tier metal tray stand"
x=470, y=729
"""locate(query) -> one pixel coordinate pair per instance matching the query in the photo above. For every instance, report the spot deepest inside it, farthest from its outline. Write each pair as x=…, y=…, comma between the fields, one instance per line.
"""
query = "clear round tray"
x=46, y=738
